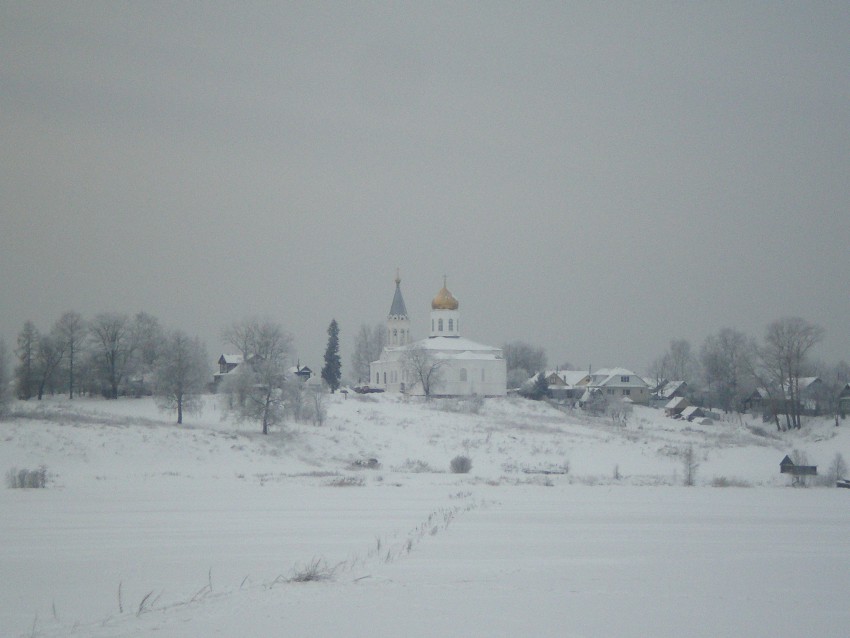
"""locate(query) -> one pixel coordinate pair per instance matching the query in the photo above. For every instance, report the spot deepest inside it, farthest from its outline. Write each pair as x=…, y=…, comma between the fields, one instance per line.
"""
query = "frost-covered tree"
x=112, y=343
x=180, y=374
x=256, y=387
x=25, y=371
x=332, y=370
x=368, y=345
x=148, y=338
x=71, y=331
x=537, y=389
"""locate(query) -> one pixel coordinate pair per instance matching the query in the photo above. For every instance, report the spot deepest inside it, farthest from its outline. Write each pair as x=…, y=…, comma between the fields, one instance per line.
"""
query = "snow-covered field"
x=566, y=525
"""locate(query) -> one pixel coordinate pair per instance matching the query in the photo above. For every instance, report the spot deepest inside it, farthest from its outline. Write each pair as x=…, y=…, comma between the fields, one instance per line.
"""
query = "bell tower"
x=398, y=323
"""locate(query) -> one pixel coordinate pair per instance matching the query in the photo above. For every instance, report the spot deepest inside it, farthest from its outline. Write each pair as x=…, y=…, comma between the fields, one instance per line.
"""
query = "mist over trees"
x=678, y=363
x=522, y=361
x=733, y=369
x=115, y=354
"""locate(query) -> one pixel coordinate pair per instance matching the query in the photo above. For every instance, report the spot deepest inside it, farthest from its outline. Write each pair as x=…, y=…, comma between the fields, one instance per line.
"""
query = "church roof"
x=398, y=309
x=455, y=345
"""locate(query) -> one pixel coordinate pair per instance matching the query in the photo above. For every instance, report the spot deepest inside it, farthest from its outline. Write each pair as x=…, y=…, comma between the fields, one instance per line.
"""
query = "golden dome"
x=444, y=300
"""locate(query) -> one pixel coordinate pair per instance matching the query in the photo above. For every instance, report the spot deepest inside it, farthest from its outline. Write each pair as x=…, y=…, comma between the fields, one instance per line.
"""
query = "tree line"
x=730, y=366
x=109, y=354
x=116, y=354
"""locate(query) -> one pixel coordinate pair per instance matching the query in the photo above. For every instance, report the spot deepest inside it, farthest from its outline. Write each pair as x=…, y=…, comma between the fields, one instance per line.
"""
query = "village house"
x=617, y=383
x=565, y=384
x=812, y=398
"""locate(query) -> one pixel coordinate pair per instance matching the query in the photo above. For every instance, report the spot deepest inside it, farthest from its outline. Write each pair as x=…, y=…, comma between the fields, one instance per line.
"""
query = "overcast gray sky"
x=594, y=178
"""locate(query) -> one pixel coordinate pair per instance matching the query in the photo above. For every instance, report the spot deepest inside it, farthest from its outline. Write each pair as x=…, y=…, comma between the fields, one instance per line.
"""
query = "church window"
x=463, y=374
x=440, y=325
x=385, y=378
x=451, y=325
x=377, y=377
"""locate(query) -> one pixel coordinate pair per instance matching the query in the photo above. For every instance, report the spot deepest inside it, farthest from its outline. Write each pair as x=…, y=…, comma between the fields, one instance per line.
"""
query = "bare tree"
x=259, y=381
x=726, y=359
x=368, y=345
x=25, y=371
x=113, y=344
x=787, y=344
x=837, y=469
x=690, y=465
x=49, y=355
x=657, y=370
x=424, y=367
x=5, y=391
x=71, y=330
x=835, y=378
x=677, y=364
x=180, y=374
x=242, y=335
x=295, y=398
x=318, y=405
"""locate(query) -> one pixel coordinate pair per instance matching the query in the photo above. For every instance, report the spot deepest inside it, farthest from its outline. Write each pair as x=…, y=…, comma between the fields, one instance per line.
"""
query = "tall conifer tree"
x=332, y=371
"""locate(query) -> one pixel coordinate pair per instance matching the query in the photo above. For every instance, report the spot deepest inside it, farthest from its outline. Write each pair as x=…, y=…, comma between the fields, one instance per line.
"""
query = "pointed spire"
x=398, y=309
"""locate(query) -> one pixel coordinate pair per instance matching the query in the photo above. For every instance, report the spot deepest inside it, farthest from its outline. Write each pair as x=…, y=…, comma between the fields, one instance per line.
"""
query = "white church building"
x=463, y=367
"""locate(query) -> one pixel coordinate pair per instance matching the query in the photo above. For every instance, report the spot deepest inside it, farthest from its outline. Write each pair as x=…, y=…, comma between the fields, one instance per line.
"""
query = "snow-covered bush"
x=16, y=478
x=722, y=481
x=347, y=481
x=415, y=466
x=460, y=465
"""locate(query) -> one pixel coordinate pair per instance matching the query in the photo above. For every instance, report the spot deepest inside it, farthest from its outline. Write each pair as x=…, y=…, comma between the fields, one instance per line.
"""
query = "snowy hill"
x=210, y=527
